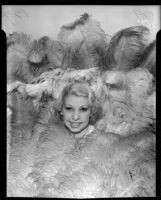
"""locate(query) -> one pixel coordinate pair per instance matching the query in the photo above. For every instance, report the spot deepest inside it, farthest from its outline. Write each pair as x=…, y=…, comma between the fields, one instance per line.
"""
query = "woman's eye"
x=68, y=108
x=84, y=109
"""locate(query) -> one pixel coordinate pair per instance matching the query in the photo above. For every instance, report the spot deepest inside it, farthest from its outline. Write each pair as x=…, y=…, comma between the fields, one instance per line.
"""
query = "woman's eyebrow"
x=68, y=105
x=84, y=106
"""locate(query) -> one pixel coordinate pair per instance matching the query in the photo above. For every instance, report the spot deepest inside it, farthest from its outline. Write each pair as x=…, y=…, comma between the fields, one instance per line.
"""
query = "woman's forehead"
x=80, y=87
x=74, y=100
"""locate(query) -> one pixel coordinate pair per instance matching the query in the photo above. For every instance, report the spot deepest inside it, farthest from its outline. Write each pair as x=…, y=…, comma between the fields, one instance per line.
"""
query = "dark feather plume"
x=124, y=45
x=146, y=58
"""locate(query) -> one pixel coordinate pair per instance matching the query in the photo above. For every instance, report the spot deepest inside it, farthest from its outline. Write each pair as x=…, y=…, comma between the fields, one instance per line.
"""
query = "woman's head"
x=78, y=107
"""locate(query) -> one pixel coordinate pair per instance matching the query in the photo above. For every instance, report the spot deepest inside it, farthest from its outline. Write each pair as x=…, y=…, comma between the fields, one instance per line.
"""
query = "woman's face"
x=76, y=113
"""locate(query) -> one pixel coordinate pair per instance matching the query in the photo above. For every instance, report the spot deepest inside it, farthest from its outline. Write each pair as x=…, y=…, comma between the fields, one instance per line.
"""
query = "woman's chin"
x=75, y=130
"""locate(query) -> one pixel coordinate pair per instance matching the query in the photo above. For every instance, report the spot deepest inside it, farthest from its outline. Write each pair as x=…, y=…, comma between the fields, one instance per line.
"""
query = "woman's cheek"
x=86, y=116
x=67, y=115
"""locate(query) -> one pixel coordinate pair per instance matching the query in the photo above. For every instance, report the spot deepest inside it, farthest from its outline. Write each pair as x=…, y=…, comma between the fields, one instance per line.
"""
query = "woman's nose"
x=75, y=116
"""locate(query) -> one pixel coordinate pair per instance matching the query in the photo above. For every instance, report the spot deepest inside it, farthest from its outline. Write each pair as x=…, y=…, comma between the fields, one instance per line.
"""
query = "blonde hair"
x=80, y=89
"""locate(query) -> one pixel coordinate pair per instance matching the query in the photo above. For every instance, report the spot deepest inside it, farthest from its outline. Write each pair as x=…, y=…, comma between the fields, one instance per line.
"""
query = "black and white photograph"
x=81, y=100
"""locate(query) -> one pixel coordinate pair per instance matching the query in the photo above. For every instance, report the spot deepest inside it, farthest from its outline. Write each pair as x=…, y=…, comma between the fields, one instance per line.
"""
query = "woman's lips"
x=75, y=124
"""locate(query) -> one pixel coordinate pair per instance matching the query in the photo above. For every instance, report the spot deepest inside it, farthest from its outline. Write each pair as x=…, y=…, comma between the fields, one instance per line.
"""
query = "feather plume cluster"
x=53, y=83
x=128, y=101
x=118, y=158
x=28, y=58
x=131, y=102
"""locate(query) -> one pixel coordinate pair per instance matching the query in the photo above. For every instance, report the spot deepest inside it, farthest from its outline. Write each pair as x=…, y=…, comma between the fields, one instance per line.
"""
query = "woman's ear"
x=61, y=116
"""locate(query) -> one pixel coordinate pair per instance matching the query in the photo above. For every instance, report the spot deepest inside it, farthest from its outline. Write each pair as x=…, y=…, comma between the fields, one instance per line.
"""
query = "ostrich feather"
x=124, y=45
x=17, y=66
x=49, y=49
x=19, y=38
x=140, y=84
x=28, y=58
x=130, y=104
x=85, y=37
x=147, y=58
x=79, y=58
x=85, y=27
x=11, y=38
